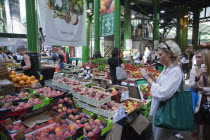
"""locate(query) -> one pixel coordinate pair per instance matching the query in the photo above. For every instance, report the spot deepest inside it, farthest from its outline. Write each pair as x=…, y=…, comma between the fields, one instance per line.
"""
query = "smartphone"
x=203, y=65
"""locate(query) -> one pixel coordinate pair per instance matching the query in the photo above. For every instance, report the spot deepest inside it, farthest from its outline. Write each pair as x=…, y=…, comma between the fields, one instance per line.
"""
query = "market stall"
x=80, y=104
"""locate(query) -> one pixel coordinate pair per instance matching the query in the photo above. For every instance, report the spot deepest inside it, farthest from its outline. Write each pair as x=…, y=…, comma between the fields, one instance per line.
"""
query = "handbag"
x=120, y=73
x=176, y=113
x=195, y=98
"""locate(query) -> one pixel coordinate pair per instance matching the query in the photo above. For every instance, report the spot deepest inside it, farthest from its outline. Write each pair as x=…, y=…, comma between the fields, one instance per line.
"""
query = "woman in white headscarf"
x=166, y=85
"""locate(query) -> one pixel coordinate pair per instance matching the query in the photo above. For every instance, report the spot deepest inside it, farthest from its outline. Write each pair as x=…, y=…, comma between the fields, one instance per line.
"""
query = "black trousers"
x=115, y=81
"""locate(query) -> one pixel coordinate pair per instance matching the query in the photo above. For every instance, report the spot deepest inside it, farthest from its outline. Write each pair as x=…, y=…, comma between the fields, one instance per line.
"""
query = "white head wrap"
x=173, y=48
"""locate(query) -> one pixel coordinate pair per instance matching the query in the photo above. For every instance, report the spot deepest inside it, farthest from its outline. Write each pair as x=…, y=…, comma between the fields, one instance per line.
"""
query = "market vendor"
x=28, y=64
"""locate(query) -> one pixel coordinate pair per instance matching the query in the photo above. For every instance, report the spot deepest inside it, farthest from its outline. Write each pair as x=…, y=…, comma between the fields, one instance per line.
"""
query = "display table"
x=47, y=73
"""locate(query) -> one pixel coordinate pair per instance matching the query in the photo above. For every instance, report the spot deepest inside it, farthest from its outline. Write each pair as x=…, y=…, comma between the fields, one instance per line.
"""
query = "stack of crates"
x=145, y=109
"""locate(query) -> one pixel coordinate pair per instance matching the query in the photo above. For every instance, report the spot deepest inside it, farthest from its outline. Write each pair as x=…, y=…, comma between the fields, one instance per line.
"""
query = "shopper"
x=147, y=55
x=185, y=65
x=61, y=61
x=9, y=54
x=166, y=85
x=137, y=57
x=114, y=62
x=28, y=64
x=2, y=52
x=200, y=82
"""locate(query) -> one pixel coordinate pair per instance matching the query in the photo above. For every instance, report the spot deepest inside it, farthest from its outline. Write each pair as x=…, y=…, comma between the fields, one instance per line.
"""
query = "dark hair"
x=184, y=54
x=1, y=48
x=21, y=48
x=8, y=52
x=115, y=52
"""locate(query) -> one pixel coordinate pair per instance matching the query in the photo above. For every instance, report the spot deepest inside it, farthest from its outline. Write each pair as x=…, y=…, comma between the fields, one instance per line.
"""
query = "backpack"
x=140, y=57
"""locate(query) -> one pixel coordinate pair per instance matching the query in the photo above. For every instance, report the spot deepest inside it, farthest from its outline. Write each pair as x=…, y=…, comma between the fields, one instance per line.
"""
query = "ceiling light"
x=89, y=10
x=161, y=21
x=162, y=11
x=186, y=16
x=133, y=16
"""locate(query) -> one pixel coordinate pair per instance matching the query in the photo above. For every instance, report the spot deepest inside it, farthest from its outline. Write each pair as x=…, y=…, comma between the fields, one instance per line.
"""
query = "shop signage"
x=65, y=22
x=128, y=44
x=107, y=17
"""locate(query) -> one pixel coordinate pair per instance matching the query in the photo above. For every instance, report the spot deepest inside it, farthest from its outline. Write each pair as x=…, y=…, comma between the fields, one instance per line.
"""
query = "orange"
x=29, y=78
x=11, y=76
x=36, y=81
x=32, y=82
x=22, y=83
x=16, y=85
x=33, y=78
x=13, y=72
x=28, y=82
x=25, y=78
x=20, y=74
x=14, y=80
x=18, y=78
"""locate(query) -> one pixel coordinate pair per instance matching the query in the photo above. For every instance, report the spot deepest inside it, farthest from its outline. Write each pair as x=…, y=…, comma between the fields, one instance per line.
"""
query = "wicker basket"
x=4, y=72
x=6, y=87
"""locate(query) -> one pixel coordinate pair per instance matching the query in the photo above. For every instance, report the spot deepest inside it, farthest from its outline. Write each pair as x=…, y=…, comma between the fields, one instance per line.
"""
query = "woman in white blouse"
x=166, y=85
x=200, y=82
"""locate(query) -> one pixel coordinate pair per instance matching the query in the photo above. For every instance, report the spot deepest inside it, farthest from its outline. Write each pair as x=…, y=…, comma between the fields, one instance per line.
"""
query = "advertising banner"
x=65, y=22
x=107, y=17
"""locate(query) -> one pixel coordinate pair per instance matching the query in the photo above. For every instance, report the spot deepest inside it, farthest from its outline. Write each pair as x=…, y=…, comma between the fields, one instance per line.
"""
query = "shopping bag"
x=121, y=74
x=195, y=98
x=176, y=113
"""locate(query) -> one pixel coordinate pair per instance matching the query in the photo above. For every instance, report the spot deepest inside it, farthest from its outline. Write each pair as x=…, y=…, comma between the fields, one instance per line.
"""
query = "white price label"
x=87, y=67
x=132, y=84
x=124, y=96
x=124, y=83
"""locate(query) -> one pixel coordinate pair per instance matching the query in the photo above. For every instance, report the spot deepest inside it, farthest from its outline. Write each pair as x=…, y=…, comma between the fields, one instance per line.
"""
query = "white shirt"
x=184, y=60
x=166, y=85
x=136, y=58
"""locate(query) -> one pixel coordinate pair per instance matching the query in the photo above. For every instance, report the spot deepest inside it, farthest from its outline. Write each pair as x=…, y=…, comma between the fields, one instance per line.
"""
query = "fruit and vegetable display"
x=111, y=105
x=99, y=61
x=145, y=91
x=48, y=92
x=22, y=105
x=131, y=105
x=20, y=127
x=11, y=98
x=21, y=79
x=93, y=127
x=58, y=131
x=64, y=106
x=68, y=81
x=72, y=70
x=114, y=91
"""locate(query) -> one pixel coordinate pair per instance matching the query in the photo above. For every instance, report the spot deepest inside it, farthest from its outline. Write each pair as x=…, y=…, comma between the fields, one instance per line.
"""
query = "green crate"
x=46, y=101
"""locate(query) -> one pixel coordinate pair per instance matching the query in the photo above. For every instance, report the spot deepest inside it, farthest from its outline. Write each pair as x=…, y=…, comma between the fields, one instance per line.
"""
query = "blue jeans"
x=61, y=65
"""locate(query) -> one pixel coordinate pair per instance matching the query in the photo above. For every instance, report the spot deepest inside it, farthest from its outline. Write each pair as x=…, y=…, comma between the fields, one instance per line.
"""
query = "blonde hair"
x=173, y=48
x=205, y=53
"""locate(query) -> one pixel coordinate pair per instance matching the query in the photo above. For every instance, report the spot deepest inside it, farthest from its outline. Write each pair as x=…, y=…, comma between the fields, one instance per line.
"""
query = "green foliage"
x=99, y=61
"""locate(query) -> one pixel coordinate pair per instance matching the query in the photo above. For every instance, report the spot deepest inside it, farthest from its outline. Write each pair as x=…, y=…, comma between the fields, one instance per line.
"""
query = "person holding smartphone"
x=200, y=82
x=166, y=85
